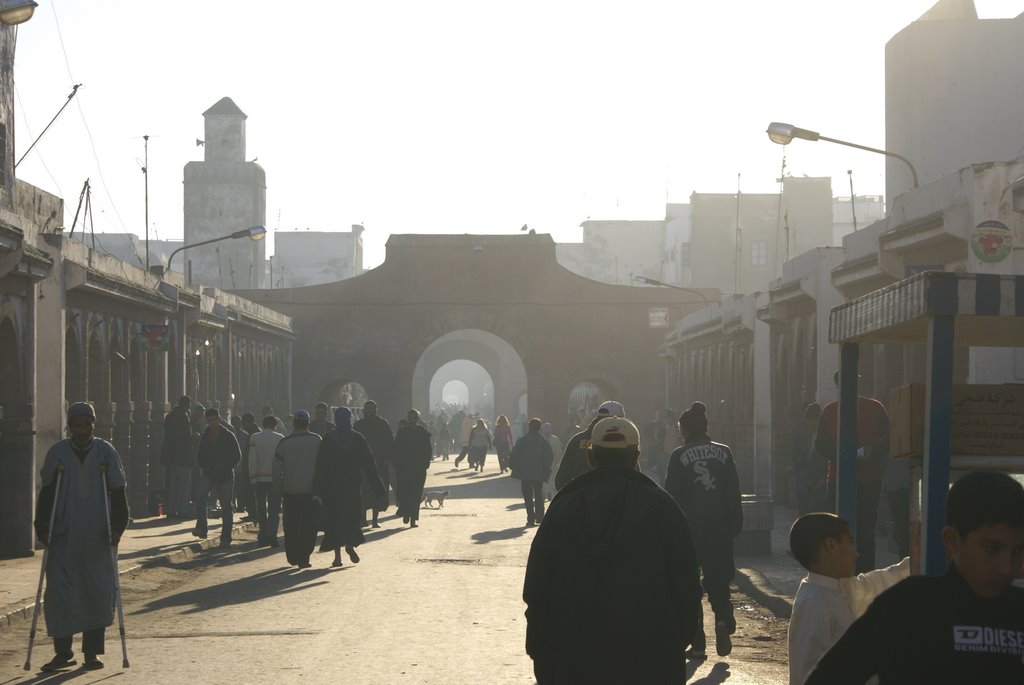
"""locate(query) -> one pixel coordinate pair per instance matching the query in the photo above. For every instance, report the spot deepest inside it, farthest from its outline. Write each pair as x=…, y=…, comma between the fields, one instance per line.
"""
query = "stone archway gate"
x=566, y=328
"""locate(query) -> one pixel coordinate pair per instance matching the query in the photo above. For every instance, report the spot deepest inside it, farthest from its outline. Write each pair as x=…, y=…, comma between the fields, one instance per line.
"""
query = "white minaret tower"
x=225, y=193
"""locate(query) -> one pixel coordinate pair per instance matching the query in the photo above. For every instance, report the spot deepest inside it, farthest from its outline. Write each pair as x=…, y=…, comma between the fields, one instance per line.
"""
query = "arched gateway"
x=393, y=326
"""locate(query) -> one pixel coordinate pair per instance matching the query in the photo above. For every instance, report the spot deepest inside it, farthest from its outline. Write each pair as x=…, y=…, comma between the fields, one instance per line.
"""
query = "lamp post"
x=14, y=12
x=652, y=281
x=783, y=134
x=253, y=233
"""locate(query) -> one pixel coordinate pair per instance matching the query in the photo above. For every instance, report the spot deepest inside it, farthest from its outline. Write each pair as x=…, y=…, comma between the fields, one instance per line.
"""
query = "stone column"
x=17, y=538
x=144, y=470
x=157, y=467
x=105, y=420
x=135, y=469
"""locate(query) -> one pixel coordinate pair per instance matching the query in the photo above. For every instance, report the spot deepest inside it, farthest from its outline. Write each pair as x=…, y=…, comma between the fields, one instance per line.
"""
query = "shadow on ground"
x=242, y=590
x=719, y=673
x=485, y=536
x=55, y=677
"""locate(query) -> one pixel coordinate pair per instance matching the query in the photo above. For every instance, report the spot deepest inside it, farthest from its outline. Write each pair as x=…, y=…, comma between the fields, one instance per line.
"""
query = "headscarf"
x=342, y=433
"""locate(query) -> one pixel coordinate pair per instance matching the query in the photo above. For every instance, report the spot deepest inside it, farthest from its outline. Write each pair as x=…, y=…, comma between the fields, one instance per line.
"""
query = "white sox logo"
x=704, y=476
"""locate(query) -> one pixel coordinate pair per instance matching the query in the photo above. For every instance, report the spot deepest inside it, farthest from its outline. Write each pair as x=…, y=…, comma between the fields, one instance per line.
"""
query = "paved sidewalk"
x=773, y=580
x=146, y=542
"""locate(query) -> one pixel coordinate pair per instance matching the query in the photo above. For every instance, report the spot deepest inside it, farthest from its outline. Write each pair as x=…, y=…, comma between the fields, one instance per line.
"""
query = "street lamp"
x=14, y=12
x=783, y=134
x=652, y=281
x=253, y=233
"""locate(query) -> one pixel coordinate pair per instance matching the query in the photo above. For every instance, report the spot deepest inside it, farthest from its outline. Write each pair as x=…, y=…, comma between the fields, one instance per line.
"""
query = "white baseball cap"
x=615, y=432
x=612, y=408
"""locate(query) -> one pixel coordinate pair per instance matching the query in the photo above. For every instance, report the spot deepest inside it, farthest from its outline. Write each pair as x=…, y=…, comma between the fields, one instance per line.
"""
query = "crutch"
x=42, y=569
x=117, y=580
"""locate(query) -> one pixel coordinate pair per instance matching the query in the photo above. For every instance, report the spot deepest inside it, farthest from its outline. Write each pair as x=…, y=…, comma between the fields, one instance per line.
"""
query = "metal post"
x=846, y=457
x=938, y=408
x=145, y=174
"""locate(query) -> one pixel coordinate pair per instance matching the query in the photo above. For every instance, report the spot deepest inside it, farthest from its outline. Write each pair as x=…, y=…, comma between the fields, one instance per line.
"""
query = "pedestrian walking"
x=377, y=431
x=479, y=443
x=465, y=428
x=574, y=459
x=502, y=441
x=702, y=478
x=343, y=459
x=872, y=456
x=79, y=566
x=530, y=461
x=611, y=585
x=321, y=425
x=218, y=456
x=805, y=469
x=412, y=459
x=556, y=451
x=178, y=454
x=245, y=495
x=294, y=469
x=262, y=447
x=442, y=438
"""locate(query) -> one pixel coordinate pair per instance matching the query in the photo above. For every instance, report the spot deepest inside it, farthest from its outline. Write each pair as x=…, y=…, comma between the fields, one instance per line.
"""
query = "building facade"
x=948, y=102
x=304, y=258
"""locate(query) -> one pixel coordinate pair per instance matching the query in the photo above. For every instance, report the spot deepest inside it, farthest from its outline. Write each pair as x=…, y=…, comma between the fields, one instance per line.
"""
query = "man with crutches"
x=81, y=513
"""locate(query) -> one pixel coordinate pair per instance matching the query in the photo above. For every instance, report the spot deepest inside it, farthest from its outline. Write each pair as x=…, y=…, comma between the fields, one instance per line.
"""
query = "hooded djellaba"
x=343, y=460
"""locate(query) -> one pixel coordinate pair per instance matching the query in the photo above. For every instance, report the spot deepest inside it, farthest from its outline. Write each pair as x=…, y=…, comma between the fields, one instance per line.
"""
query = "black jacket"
x=931, y=630
x=574, y=457
x=218, y=458
x=377, y=432
x=179, y=446
x=702, y=479
x=611, y=586
x=531, y=458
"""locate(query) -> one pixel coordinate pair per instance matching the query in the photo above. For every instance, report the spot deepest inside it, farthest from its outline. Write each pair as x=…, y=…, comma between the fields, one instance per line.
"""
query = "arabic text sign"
x=988, y=420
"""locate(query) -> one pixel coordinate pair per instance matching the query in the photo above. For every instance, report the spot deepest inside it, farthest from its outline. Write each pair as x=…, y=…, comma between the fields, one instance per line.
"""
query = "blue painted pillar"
x=846, y=458
x=938, y=408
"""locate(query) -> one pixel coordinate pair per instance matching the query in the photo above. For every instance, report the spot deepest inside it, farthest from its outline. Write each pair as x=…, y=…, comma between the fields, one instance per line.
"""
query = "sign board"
x=991, y=241
x=155, y=338
x=988, y=420
x=657, y=317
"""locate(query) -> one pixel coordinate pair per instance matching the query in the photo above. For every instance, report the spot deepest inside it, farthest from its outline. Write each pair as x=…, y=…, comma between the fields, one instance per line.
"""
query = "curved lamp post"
x=652, y=281
x=783, y=134
x=14, y=12
x=253, y=233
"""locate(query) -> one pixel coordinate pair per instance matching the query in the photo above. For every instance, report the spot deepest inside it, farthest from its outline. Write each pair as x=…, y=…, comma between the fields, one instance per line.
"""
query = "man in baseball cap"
x=574, y=458
x=610, y=598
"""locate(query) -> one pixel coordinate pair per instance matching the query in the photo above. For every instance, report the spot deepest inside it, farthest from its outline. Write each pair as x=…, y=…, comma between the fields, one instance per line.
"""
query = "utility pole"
x=739, y=240
x=145, y=174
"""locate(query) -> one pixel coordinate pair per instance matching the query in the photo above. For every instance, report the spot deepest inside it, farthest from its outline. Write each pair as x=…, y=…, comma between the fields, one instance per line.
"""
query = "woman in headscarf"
x=343, y=460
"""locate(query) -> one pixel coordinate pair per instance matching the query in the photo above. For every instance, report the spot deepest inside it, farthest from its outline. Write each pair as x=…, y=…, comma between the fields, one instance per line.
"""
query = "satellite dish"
x=200, y=142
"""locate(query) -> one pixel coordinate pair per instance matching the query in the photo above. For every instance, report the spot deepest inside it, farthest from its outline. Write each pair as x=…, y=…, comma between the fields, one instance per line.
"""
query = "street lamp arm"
x=913, y=171
x=253, y=232
x=653, y=281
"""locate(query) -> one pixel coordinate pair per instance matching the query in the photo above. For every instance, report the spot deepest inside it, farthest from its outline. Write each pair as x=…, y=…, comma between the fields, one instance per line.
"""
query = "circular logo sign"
x=991, y=241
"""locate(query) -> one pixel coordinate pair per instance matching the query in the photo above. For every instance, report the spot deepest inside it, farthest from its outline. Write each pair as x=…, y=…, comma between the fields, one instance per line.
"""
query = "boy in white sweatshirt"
x=831, y=597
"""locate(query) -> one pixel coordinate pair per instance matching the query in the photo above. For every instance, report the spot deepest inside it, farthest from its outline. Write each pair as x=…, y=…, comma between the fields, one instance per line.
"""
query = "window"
x=759, y=253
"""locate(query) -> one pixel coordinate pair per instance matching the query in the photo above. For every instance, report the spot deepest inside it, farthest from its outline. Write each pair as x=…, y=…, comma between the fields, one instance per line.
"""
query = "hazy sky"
x=454, y=117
